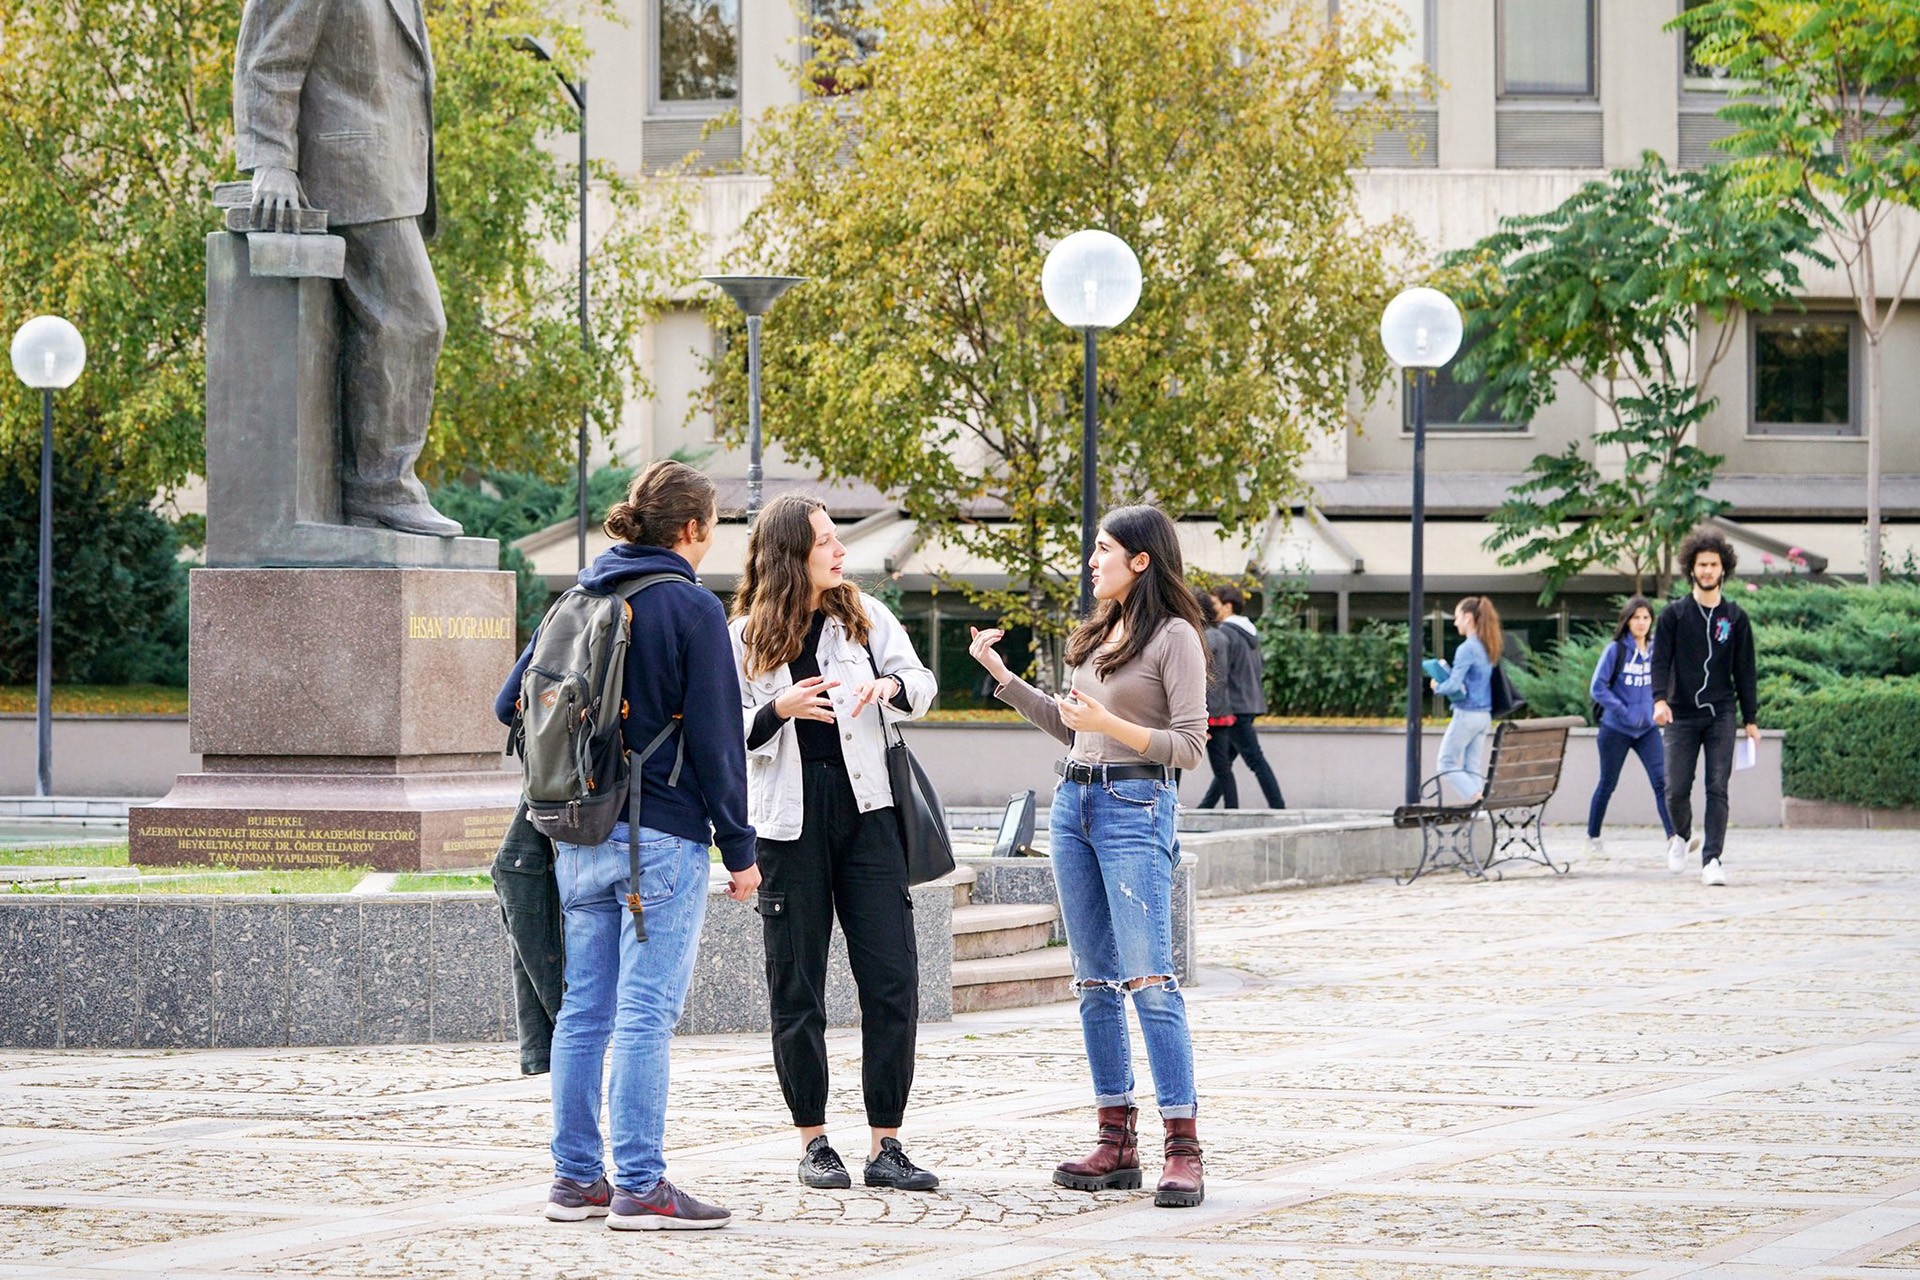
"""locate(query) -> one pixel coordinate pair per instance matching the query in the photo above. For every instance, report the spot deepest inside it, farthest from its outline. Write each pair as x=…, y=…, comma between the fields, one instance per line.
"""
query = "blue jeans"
x=1614, y=746
x=1463, y=752
x=1113, y=859
x=622, y=990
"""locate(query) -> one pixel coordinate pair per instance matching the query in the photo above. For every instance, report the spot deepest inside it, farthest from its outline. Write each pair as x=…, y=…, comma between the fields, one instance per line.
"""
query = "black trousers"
x=1686, y=738
x=1224, y=742
x=854, y=864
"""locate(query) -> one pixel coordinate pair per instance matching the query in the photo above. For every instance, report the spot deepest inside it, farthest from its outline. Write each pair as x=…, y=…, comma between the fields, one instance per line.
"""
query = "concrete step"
x=1035, y=977
x=984, y=931
x=961, y=878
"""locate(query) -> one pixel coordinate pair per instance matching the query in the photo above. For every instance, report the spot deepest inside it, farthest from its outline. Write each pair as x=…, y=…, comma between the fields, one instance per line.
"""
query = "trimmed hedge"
x=1312, y=673
x=1856, y=742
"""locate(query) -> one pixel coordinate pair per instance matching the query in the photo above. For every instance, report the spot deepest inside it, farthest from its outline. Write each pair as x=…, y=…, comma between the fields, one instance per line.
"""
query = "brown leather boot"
x=1182, y=1178
x=1115, y=1162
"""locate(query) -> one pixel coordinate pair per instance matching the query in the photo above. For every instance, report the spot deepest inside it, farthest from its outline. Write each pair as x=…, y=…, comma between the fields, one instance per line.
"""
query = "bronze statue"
x=333, y=110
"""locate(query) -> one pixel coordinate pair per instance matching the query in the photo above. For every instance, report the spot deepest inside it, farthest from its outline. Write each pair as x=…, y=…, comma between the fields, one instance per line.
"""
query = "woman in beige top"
x=1135, y=713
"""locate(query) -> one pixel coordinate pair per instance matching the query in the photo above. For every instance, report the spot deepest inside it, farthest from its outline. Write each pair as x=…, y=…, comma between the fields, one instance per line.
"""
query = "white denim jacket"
x=774, y=796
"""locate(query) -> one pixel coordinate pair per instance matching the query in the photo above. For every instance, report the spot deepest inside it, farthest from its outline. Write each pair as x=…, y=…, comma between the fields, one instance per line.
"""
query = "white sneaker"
x=1596, y=847
x=1677, y=855
x=1712, y=874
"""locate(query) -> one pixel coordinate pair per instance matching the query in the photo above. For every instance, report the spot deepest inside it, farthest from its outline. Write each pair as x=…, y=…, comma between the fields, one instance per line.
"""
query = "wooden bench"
x=1523, y=769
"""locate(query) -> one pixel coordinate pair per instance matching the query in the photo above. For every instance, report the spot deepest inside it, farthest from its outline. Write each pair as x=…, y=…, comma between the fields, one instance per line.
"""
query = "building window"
x=698, y=45
x=1804, y=373
x=841, y=26
x=1695, y=78
x=1415, y=17
x=1450, y=404
x=1547, y=49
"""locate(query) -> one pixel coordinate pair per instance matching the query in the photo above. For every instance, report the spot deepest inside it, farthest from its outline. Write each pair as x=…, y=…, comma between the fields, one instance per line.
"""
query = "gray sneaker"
x=664, y=1208
x=570, y=1201
x=822, y=1167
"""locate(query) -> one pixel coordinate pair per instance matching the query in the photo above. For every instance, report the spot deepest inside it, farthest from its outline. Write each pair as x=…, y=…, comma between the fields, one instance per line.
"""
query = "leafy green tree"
x=109, y=145
x=920, y=186
x=1827, y=114
x=1610, y=287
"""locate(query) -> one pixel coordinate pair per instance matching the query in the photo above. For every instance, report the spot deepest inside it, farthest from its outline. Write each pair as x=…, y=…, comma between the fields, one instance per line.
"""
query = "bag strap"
x=633, y=817
x=877, y=708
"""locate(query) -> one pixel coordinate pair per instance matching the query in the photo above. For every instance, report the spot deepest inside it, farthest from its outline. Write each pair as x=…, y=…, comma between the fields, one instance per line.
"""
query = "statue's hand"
x=276, y=195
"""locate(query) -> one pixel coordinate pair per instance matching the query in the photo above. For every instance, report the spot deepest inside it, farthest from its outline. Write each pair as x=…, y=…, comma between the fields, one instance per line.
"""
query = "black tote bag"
x=923, y=820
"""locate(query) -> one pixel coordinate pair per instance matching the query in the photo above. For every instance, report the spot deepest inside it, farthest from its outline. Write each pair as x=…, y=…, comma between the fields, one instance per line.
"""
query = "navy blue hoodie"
x=680, y=661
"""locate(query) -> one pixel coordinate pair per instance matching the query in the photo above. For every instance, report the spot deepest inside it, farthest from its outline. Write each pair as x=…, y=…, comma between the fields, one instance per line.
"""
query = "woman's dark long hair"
x=1158, y=596
x=1632, y=607
x=776, y=595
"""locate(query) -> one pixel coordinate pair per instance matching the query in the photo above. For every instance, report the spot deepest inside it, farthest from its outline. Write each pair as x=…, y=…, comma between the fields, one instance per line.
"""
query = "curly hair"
x=1707, y=540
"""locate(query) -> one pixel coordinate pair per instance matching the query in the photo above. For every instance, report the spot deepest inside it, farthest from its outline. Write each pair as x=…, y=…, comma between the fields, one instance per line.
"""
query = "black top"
x=1703, y=659
x=819, y=739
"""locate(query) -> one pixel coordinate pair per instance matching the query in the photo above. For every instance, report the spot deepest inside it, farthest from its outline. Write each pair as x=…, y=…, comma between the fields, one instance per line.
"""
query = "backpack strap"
x=627, y=590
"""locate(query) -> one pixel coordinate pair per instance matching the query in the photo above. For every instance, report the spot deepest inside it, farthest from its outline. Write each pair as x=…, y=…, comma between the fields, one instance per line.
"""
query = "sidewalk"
x=1616, y=1073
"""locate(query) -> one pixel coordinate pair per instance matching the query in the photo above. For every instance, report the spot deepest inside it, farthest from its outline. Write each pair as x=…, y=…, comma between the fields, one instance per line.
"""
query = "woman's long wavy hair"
x=776, y=595
x=1159, y=595
x=1632, y=607
x=1486, y=625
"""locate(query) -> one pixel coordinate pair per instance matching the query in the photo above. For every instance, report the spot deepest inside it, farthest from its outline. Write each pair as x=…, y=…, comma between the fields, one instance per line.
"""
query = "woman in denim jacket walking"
x=1469, y=684
x=1135, y=713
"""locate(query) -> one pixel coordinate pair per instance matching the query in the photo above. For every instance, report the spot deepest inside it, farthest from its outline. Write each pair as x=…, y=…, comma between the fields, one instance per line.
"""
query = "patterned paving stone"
x=38, y=1234
x=1467, y=1078
x=584, y=1251
x=1201, y=1266
x=1757, y=1171
x=1587, y=1228
x=94, y=1111
x=1794, y=1126
x=279, y=1176
x=1575, y=1046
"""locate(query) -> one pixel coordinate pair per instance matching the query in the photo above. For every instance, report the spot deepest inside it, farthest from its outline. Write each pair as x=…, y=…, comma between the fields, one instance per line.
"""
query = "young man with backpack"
x=1703, y=676
x=1243, y=691
x=632, y=667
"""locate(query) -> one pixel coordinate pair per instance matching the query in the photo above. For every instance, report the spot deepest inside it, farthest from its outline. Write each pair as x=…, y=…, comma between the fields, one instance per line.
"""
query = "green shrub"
x=1310, y=673
x=1556, y=682
x=1856, y=742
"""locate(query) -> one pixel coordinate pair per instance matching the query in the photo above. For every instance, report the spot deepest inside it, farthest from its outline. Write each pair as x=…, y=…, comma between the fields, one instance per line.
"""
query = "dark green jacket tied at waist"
x=530, y=904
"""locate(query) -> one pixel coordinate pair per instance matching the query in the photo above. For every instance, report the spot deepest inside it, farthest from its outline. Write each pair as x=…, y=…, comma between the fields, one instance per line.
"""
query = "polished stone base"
x=307, y=821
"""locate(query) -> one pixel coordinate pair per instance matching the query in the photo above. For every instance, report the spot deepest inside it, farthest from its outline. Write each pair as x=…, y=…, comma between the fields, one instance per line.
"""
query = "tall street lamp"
x=1091, y=281
x=1421, y=330
x=576, y=90
x=753, y=295
x=48, y=353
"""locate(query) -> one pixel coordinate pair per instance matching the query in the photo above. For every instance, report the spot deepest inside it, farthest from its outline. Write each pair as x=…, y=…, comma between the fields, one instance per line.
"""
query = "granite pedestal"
x=344, y=718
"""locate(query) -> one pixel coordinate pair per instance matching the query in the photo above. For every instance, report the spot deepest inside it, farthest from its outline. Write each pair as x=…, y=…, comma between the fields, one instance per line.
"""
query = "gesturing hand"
x=986, y=655
x=874, y=691
x=807, y=700
x=1082, y=714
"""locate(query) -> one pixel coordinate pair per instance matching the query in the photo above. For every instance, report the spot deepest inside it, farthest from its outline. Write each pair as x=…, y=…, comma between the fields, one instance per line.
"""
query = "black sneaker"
x=891, y=1168
x=821, y=1167
x=570, y=1201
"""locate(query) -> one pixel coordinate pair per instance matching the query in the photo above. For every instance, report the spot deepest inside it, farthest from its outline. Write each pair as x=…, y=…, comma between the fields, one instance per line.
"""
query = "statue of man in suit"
x=333, y=109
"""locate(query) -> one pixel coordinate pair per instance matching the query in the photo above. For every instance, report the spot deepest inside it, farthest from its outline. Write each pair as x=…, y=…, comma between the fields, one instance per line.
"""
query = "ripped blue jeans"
x=1113, y=859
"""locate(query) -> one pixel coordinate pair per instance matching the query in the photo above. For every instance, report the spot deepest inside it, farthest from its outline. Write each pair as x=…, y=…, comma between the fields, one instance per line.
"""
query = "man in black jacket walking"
x=1244, y=694
x=1703, y=676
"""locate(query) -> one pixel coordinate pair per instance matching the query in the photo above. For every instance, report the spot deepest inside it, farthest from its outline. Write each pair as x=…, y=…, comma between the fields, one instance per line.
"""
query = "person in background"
x=1135, y=713
x=1469, y=686
x=1246, y=685
x=1703, y=677
x=820, y=663
x=1219, y=719
x=1622, y=688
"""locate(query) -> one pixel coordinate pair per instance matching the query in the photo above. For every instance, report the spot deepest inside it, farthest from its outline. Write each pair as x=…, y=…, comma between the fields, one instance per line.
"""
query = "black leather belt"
x=1087, y=774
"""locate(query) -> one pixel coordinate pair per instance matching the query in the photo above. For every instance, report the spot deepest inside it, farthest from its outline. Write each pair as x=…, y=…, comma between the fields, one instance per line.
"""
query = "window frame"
x=1498, y=429
x=694, y=109
x=1503, y=93
x=1854, y=429
x=1429, y=35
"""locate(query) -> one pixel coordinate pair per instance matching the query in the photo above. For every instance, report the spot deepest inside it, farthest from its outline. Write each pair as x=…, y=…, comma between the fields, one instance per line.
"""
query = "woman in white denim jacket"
x=823, y=667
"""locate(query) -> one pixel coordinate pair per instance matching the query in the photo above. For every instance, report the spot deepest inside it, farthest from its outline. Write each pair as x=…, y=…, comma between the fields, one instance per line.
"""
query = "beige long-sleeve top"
x=1164, y=689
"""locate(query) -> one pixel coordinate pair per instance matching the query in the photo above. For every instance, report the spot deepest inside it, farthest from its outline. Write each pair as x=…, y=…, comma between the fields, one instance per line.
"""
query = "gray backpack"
x=576, y=774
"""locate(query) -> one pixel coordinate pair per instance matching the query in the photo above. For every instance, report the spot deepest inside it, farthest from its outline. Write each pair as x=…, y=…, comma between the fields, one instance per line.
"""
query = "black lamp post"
x=48, y=355
x=753, y=295
x=1091, y=281
x=1421, y=331
x=576, y=90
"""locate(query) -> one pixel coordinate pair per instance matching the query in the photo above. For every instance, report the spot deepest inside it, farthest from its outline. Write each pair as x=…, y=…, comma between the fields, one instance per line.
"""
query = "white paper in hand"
x=1746, y=753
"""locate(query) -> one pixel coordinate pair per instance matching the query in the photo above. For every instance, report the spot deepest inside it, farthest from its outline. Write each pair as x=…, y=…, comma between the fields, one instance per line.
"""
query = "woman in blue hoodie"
x=1469, y=684
x=1623, y=691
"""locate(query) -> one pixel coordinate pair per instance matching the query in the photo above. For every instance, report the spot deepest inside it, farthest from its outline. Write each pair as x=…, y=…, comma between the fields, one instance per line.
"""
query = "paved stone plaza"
x=1619, y=1073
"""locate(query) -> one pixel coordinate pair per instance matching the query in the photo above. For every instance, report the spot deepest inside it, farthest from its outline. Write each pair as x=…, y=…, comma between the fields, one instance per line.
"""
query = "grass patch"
x=332, y=880
x=442, y=882
x=66, y=855
x=99, y=700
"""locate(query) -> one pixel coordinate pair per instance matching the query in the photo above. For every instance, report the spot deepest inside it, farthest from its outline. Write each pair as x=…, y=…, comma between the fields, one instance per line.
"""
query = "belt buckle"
x=1079, y=771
